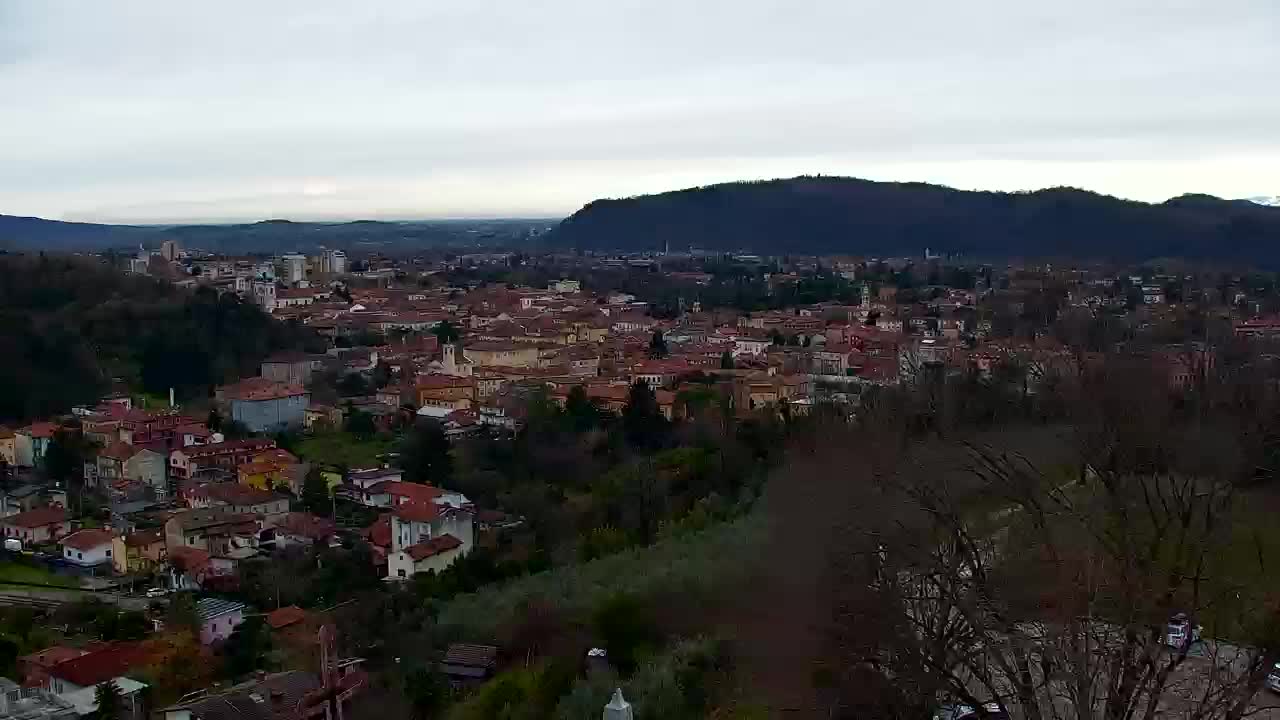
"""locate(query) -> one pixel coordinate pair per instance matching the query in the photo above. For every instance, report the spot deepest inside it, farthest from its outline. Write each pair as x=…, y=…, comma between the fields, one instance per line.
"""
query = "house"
x=37, y=527
x=189, y=568
x=299, y=528
x=87, y=548
x=466, y=664
x=425, y=536
x=455, y=393
x=150, y=468
x=108, y=662
x=293, y=368
x=33, y=669
x=189, y=462
x=500, y=353
x=269, y=408
x=217, y=531
x=218, y=619
x=286, y=619
x=291, y=695
x=31, y=442
x=20, y=499
x=137, y=553
x=236, y=498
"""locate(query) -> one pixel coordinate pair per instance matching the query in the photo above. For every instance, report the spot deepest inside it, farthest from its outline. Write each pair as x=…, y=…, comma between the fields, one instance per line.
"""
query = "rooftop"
x=209, y=608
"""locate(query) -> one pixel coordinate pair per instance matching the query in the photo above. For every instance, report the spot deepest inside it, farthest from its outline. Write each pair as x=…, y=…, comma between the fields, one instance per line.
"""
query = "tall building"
x=295, y=267
x=169, y=250
x=337, y=262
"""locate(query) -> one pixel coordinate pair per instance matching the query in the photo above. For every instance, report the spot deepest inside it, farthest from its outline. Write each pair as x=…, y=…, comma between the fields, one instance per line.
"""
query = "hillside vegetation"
x=834, y=215
x=71, y=325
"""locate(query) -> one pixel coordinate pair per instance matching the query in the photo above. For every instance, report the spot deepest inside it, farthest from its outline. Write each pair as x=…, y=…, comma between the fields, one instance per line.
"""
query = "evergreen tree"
x=726, y=360
x=110, y=701
x=658, y=345
x=446, y=332
x=425, y=454
x=578, y=409
x=642, y=419
x=315, y=492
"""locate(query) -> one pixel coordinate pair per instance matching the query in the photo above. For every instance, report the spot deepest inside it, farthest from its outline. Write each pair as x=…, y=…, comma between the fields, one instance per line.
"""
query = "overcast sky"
x=161, y=110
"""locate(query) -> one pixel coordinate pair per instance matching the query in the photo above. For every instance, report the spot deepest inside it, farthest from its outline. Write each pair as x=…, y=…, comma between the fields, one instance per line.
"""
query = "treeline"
x=72, y=325
x=835, y=215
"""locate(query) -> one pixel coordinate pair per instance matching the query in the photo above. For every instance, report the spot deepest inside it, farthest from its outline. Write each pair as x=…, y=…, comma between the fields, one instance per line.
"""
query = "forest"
x=74, y=328
x=836, y=215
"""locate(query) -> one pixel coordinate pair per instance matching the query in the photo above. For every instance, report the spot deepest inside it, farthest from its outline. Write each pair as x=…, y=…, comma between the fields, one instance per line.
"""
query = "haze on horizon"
x=150, y=111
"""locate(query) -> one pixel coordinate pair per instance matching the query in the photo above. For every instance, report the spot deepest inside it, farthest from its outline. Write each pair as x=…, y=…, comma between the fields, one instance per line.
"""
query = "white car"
x=1273, y=679
x=157, y=592
x=965, y=712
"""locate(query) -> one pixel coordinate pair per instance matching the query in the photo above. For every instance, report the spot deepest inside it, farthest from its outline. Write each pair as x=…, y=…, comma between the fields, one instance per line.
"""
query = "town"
x=455, y=421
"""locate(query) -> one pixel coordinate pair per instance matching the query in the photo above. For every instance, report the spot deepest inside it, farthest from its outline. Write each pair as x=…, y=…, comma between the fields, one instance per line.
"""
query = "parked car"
x=959, y=711
x=157, y=592
x=1180, y=632
x=1273, y=679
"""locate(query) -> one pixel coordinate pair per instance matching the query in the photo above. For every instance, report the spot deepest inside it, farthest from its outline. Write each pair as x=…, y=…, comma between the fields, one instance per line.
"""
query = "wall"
x=99, y=555
x=268, y=415
x=220, y=628
x=149, y=468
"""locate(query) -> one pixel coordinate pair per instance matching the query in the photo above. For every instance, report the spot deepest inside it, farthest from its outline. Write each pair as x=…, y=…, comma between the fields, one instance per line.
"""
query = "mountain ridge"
x=839, y=215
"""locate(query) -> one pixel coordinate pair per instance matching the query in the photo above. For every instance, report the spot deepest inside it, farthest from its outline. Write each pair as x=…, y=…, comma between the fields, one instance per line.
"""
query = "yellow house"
x=138, y=553
x=262, y=475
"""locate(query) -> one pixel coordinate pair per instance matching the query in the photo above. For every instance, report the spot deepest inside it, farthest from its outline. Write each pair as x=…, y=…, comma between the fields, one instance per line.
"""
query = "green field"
x=339, y=448
x=11, y=572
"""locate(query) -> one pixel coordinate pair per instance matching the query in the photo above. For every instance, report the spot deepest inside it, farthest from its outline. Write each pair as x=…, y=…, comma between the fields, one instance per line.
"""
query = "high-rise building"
x=337, y=261
x=295, y=267
x=169, y=250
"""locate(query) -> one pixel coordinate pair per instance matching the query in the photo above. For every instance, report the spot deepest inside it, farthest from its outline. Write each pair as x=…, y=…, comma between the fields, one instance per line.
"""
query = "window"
x=108, y=553
x=400, y=572
x=79, y=555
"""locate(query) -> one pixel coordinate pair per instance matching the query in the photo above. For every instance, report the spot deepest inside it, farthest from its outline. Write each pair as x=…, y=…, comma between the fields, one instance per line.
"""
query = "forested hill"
x=69, y=325
x=836, y=215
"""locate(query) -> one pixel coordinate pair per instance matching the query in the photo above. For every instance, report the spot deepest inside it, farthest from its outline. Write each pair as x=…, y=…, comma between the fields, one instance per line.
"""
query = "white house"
x=87, y=548
x=218, y=619
x=426, y=536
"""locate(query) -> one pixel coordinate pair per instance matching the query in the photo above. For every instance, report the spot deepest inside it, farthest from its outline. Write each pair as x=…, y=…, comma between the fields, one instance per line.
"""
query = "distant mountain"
x=1272, y=201
x=27, y=233
x=837, y=215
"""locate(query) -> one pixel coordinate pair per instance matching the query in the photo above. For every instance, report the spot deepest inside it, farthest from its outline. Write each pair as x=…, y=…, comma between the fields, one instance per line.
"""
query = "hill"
x=70, y=326
x=28, y=233
x=837, y=215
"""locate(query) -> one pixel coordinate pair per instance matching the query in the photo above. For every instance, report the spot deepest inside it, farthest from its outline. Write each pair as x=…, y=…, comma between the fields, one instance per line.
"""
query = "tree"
x=182, y=615
x=359, y=423
x=579, y=410
x=658, y=345
x=247, y=647
x=316, y=497
x=726, y=360
x=214, y=421
x=777, y=337
x=425, y=454
x=445, y=332
x=626, y=628
x=109, y=700
x=642, y=419
x=65, y=456
x=381, y=374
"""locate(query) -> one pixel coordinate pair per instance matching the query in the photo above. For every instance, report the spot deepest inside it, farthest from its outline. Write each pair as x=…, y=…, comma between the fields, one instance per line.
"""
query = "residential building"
x=292, y=695
x=8, y=446
x=138, y=553
x=170, y=249
x=190, y=462
x=292, y=368
x=426, y=536
x=113, y=661
x=299, y=528
x=218, y=619
x=18, y=702
x=87, y=548
x=236, y=498
x=37, y=527
x=269, y=408
x=295, y=268
x=216, y=531
x=31, y=442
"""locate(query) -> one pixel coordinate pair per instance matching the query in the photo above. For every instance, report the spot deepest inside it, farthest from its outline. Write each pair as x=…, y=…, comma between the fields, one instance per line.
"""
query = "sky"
x=161, y=111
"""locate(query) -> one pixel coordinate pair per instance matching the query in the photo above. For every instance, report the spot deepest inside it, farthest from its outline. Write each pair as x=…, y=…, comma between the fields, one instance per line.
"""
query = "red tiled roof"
x=102, y=665
x=418, y=511
x=307, y=525
x=40, y=430
x=87, y=539
x=143, y=538
x=434, y=546
x=231, y=493
x=286, y=616
x=415, y=492
x=379, y=533
x=224, y=448
x=190, y=559
x=38, y=517
x=117, y=451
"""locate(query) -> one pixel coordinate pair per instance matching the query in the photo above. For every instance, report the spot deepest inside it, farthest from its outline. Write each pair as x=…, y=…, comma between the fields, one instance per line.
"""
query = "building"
x=264, y=294
x=215, y=531
x=37, y=527
x=295, y=267
x=465, y=664
x=333, y=262
x=269, y=408
x=33, y=703
x=292, y=368
x=87, y=548
x=170, y=250
x=31, y=442
x=236, y=498
x=426, y=536
x=101, y=664
x=218, y=619
x=292, y=695
x=190, y=462
x=8, y=446
x=565, y=286
x=138, y=553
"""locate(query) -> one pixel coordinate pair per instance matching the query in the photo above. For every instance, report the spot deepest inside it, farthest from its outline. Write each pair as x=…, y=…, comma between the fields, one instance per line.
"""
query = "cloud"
x=137, y=110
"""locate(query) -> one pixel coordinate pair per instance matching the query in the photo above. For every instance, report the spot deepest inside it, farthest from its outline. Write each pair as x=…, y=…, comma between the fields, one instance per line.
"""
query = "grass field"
x=339, y=448
x=12, y=572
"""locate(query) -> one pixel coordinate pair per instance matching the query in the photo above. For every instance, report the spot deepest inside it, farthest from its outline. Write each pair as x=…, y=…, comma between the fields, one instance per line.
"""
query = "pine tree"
x=110, y=700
